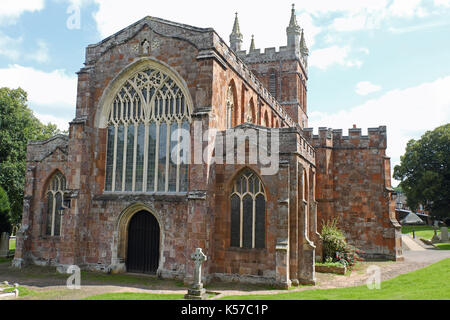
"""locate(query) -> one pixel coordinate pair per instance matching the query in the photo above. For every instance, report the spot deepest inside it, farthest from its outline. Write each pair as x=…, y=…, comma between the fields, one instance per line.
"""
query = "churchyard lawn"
x=425, y=232
x=41, y=283
x=423, y=284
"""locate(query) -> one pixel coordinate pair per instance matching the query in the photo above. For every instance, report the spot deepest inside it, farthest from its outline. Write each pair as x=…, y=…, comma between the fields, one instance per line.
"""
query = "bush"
x=349, y=256
x=335, y=247
x=333, y=240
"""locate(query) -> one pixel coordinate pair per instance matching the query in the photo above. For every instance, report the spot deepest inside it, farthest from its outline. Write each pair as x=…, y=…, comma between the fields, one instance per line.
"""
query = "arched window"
x=230, y=107
x=248, y=212
x=55, y=201
x=148, y=143
x=251, y=113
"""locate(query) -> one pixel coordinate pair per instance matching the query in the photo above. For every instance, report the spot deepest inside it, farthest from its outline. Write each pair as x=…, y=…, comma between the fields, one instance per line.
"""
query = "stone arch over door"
x=122, y=236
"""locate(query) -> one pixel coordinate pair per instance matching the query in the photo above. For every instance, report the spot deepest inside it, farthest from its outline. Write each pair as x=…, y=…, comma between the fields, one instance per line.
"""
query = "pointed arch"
x=231, y=105
x=122, y=228
x=56, y=186
x=142, y=108
x=247, y=211
x=252, y=111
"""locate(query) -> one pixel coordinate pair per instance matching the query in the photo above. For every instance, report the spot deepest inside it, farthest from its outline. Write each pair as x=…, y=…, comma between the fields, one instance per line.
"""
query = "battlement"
x=328, y=138
x=271, y=55
x=240, y=67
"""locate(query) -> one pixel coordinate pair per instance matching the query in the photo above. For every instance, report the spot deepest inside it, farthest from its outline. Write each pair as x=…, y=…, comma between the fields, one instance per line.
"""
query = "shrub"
x=335, y=247
x=333, y=240
x=349, y=256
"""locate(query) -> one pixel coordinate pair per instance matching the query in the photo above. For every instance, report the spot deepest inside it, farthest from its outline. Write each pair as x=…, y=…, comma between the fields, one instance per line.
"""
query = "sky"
x=372, y=62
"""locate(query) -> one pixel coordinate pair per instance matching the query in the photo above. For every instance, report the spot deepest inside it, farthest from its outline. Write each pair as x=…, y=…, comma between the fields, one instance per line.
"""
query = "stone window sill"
x=246, y=250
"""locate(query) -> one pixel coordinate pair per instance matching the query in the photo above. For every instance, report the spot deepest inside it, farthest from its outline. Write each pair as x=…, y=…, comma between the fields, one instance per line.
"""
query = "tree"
x=425, y=172
x=5, y=224
x=18, y=126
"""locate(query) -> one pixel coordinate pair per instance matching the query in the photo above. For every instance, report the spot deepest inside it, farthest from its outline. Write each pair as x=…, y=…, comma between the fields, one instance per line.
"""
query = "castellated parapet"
x=271, y=55
x=376, y=138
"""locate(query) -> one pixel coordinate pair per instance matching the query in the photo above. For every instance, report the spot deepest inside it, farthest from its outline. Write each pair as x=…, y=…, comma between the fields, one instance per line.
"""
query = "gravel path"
x=52, y=288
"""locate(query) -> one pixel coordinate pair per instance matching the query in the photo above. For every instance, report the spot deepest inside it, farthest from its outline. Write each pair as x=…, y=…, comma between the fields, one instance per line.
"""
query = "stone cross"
x=198, y=257
x=197, y=292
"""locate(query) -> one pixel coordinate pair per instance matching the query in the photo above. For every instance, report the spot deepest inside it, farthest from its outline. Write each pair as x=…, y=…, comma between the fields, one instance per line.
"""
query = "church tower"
x=285, y=72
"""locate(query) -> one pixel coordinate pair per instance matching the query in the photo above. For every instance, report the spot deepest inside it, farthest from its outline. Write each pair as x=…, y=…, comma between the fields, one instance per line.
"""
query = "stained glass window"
x=144, y=113
x=248, y=212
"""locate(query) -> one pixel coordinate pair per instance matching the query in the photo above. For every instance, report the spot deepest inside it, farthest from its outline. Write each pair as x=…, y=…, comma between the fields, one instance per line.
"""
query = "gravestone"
x=197, y=292
x=444, y=235
x=4, y=245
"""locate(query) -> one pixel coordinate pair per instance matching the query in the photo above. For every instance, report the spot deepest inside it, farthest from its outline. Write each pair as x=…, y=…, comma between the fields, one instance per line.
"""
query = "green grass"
x=126, y=279
x=443, y=246
x=5, y=260
x=136, y=296
x=426, y=232
x=329, y=264
x=12, y=244
x=24, y=292
x=424, y=284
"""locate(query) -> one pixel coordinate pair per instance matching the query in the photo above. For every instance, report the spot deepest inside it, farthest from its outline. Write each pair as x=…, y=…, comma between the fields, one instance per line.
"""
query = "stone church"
x=111, y=196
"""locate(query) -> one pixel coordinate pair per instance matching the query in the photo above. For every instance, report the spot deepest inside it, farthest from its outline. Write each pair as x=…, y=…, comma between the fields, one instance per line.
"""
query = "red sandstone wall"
x=353, y=185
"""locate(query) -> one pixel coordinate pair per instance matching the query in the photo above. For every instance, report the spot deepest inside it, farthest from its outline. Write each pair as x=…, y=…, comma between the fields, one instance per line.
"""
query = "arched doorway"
x=143, y=244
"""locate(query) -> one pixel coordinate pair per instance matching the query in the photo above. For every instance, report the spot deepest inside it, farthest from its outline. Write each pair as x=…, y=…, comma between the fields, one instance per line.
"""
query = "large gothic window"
x=248, y=212
x=54, y=205
x=147, y=129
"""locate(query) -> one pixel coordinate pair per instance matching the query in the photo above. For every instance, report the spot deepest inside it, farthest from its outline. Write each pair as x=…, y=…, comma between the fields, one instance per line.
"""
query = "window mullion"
x=136, y=127
x=254, y=222
x=241, y=223
x=113, y=186
x=168, y=126
x=178, y=157
x=144, y=178
x=125, y=144
x=53, y=214
x=158, y=125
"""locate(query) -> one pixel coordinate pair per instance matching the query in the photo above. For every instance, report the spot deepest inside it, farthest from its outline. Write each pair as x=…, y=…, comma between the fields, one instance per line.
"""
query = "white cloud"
x=10, y=10
x=444, y=3
x=267, y=24
x=46, y=90
x=61, y=123
x=41, y=54
x=407, y=113
x=364, y=88
x=407, y=8
x=324, y=58
x=9, y=47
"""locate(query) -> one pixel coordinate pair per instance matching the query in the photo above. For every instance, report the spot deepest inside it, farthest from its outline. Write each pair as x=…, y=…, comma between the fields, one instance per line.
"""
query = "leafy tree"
x=18, y=126
x=5, y=225
x=425, y=172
